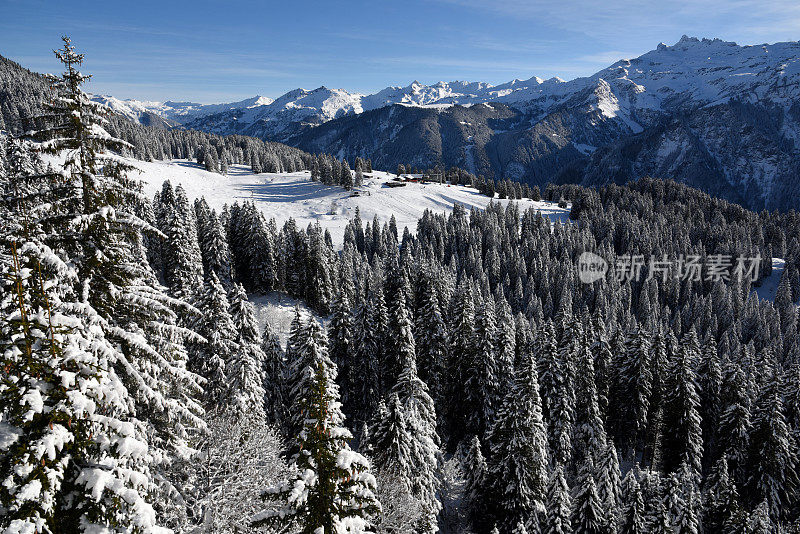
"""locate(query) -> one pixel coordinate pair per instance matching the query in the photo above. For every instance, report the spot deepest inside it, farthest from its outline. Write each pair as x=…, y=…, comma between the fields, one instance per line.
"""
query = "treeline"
x=504, y=189
x=330, y=171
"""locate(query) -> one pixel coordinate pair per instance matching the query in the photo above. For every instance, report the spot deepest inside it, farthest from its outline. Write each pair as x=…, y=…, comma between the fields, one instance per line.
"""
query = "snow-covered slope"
x=294, y=195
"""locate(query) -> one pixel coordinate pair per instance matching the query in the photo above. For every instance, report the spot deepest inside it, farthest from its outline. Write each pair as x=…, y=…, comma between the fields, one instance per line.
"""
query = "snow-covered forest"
x=459, y=378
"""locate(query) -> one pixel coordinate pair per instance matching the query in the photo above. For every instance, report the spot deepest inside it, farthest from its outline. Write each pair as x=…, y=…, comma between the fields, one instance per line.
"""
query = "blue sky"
x=214, y=51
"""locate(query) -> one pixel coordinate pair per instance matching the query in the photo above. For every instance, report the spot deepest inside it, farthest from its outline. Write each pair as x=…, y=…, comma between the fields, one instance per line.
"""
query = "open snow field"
x=769, y=285
x=285, y=195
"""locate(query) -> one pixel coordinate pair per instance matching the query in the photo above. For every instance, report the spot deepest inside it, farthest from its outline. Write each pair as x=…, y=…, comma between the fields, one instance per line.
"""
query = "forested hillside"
x=460, y=378
x=24, y=95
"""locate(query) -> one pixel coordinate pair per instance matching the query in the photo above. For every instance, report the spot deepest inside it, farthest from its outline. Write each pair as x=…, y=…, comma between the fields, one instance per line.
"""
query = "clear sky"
x=225, y=51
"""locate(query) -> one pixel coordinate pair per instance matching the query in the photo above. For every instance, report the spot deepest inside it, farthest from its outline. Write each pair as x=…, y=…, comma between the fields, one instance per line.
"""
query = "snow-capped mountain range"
x=317, y=105
x=722, y=117
x=707, y=70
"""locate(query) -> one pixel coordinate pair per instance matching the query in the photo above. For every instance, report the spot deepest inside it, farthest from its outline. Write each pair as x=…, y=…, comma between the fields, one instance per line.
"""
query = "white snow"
x=708, y=71
x=285, y=195
x=178, y=111
x=769, y=285
x=277, y=309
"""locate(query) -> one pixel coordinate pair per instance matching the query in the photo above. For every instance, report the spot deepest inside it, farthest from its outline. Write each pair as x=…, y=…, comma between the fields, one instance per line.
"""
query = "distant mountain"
x=290, y=113
x=173, y=113
x=721, y=117
x=718, y=116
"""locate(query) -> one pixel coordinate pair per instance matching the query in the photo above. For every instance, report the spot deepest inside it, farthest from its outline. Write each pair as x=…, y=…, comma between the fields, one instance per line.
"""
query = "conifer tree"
x=460, y=361
x=657, y=517
x=341, y=336
x=245, y=367
x=482, y=385
x=308, y=351
x=430, y=335
x=734, y=423
x=517, y=467
x=556, y=389
x=760, y=521
x=346, y=177
x=259, y=243
x=589, y=430
x=274, y=375
x=115, y=293
x=421, y=423
x=58, y=390
x=474, y=465
x=505, y=345
x=603, y=361
x=333, y=488
x=317, y=263
x=709, y=374
x=400, y=345
x=684, y=501
x=683, y=437
x=559, y=506
x=633, y=387
x=181, y=251
x=390, y=439
x=211, y=359
x=587, y=509
x=364, y=380
x=773, y=458
x=632, y=518
x=609, y=485
x=721, y=507
x=215, y=250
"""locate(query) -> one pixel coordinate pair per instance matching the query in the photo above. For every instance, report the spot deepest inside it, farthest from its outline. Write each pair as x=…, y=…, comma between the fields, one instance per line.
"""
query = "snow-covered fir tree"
x=211, y=358
x=556, y=388
x=460, y=361
x=683, y=438
x=420, y=414
x=332, y=489
x=773, y=461
x=341, y=336
x=274, y=375
x=587, y=508
x=517, y=466
x=363, y=375
x=558, y=505
x=475, y=488
x=214, y=248
x=245, y=367
x=59, y=389
x=430, y=334
x=631, y=519
x=138, y=396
